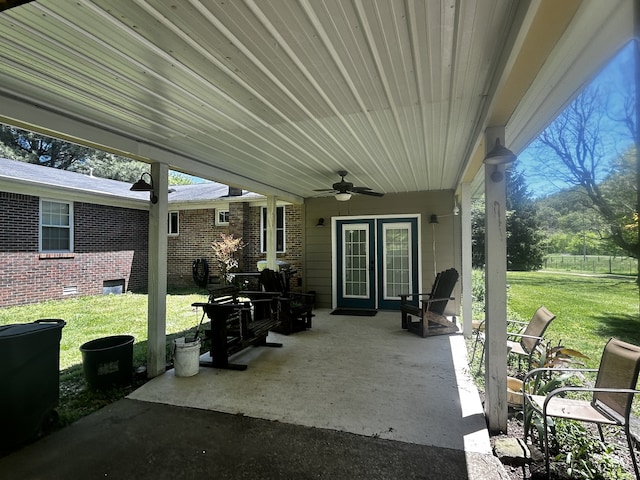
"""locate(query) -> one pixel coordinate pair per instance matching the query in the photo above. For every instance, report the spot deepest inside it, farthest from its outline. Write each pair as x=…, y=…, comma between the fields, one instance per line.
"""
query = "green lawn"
x=589, y=309
x=88, y=318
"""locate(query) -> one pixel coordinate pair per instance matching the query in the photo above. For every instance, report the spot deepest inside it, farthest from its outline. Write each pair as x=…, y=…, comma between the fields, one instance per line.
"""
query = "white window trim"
x=169, y=232
x=218, y=222
x=284, y=229
x=71, y=222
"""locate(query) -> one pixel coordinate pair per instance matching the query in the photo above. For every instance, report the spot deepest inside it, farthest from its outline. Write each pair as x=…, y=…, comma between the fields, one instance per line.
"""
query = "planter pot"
x=515, y=396
x=108, y=361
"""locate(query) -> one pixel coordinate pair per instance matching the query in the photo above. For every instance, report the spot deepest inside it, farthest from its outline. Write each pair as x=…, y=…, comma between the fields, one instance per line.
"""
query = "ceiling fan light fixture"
x=343, y=196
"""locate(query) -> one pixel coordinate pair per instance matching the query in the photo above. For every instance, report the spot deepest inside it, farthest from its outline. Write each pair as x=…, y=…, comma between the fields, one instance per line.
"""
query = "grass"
x=589, y=309
x=88, y=318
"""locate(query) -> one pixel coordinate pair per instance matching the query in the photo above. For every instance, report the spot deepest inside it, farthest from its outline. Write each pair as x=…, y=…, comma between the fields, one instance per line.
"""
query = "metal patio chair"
x=612, y=395
x=524, y=343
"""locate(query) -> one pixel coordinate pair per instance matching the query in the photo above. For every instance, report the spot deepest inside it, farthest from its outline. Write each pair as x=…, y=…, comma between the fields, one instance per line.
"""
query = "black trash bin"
x=108, y=361
x=30, y=378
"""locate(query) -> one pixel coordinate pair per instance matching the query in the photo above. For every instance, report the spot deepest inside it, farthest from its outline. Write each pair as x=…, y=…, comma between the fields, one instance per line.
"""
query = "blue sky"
x=610, y=81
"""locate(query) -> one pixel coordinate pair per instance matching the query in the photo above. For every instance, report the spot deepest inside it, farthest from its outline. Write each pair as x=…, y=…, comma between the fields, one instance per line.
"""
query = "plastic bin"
x=30, y=378
x=108, y=361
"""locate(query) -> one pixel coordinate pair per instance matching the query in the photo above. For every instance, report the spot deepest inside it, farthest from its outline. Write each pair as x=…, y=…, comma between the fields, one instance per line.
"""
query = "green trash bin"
x=30, y=379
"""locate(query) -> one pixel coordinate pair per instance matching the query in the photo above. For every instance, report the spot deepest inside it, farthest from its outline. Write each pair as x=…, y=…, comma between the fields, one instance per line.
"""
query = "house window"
x=173, y=223
x=279, y=229
x=56, y=226
x=222, y=216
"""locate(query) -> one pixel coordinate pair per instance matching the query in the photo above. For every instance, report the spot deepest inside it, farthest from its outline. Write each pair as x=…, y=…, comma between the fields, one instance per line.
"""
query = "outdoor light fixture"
x=320, y=222
x=499, y=155
x=343, y=196
x=433, y=218
x=142, y=186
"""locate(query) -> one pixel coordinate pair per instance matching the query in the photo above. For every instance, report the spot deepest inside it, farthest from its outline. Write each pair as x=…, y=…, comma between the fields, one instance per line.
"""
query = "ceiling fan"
x=343, y=190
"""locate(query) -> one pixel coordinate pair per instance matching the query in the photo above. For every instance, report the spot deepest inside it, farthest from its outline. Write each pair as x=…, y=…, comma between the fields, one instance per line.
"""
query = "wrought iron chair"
x=612, y=395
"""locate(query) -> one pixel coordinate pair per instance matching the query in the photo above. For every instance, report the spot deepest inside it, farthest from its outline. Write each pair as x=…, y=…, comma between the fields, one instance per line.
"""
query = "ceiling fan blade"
x=370, y=192
x=343, y=187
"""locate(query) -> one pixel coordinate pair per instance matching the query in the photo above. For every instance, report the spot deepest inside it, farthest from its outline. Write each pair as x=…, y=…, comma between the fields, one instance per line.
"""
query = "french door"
x=376, y=261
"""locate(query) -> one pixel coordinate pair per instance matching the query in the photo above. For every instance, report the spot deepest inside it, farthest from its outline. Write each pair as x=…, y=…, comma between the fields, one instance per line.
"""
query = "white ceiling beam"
x=34, y=118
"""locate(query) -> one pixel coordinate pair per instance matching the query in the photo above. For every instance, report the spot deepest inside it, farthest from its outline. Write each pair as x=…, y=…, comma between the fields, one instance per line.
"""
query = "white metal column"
x=271, y=232
x=467, y=275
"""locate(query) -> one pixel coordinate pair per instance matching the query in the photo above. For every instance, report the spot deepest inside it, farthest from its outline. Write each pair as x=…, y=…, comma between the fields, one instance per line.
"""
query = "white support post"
x=495, y=290
x=467, y=276
x=157, y=308
x=636, y=36
x=271, y=231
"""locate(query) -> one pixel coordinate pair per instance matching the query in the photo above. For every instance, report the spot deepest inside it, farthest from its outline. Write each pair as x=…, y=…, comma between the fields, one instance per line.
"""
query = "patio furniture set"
x=241, y=319
x=611, y=396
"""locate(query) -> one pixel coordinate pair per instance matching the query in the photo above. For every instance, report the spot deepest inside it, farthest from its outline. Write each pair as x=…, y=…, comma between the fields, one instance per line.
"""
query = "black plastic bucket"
x=108, y=361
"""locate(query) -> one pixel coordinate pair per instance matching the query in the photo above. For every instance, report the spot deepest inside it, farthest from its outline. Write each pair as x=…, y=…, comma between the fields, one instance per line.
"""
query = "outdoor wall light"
x=320, y=222
x=142, y=186
x=499, y=155
x=433, y=218
x=343, y=196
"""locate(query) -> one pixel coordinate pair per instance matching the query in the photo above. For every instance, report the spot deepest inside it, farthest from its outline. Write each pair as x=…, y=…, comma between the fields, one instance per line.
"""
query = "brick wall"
x=109, y=244
x=198, y=230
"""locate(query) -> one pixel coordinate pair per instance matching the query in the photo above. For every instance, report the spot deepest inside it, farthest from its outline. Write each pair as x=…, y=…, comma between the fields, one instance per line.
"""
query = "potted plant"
x=224, y=251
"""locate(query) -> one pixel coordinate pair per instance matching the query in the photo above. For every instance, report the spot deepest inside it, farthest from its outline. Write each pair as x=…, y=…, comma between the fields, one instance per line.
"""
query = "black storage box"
x=30, y=378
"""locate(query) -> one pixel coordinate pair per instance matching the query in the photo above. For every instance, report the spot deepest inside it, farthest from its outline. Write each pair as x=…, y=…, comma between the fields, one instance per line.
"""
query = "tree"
x=477, y=232
x=581, y=149
x=572, y=226
x=30, y=147
x=525, y=240
x=106, y=165
x=525, y=246
x=41, y=150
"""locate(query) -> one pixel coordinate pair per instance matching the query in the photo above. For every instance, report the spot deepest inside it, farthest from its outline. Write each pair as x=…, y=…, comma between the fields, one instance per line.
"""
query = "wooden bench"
x=294, y=309
x=236, y=324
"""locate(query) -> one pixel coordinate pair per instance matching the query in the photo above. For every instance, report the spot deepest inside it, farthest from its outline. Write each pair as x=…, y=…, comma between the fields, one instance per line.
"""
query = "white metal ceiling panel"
x=275, y=94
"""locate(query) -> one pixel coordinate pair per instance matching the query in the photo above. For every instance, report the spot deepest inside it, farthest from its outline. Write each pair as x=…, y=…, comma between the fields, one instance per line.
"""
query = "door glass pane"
x=397, y=274
x=355, y=262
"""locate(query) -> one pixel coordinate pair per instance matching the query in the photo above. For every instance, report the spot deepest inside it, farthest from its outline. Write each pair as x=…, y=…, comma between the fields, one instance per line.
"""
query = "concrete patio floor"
x=354, y=397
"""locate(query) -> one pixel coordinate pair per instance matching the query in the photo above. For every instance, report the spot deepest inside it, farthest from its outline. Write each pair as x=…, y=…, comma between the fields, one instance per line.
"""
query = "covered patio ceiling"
x=277, y=96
